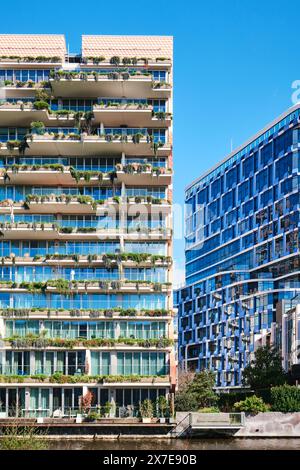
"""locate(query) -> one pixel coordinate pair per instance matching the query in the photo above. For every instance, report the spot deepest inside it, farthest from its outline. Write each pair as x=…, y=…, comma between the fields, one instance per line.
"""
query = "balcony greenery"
x=38, y=59
x=117, y=60
x=131, y=168
x=64, y=286
x=60, y=378
x=119, y=73
x=65, y=198
x=86, y=175
x=161, y=115
x=28, y=84
x=93, y=313
x=40, y=342
x=15, y=168
x=109, y=259
x=39, y=105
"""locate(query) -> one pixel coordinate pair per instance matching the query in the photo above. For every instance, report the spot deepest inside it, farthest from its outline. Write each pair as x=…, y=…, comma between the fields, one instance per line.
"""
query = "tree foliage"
x=265, y=370
x=196, y=392
x=251, y=404
x=285, y=398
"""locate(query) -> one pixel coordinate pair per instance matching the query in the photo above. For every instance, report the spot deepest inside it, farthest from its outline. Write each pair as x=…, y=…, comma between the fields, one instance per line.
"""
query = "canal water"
x=179, y=444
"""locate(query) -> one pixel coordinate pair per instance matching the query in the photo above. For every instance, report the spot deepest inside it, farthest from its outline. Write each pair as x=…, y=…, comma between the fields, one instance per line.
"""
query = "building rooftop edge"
x=247, y=142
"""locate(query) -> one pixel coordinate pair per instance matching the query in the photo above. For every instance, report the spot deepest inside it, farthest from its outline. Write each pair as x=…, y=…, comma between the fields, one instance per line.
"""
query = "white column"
x=27, y=399
x=32, y=362
x=113, y=363
x=88, y=361
x=51, y=401
x=117, y=329
x=2, y=328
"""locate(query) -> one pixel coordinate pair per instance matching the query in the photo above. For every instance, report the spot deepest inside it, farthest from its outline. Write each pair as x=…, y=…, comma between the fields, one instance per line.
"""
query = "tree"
x=265, y=370
x=86, y=401
x=186, y=402
x=185, y=378
x=196, y=391
x=202, y=388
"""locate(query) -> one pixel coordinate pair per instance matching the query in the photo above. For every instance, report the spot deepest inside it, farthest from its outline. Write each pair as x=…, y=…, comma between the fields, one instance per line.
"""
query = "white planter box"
x=146, y=420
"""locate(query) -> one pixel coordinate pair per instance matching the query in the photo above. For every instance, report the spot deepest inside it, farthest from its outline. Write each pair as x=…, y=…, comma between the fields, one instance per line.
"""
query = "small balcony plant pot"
x=40, y=420
x=162, y=420
x=78, y=419
x=146, y=411
x=146, y=420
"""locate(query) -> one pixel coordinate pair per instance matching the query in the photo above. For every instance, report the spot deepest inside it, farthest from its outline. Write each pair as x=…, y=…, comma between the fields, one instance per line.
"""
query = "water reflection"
x=178, y=444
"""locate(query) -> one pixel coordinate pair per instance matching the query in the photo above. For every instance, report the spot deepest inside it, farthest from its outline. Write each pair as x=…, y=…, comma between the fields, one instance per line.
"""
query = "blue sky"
x=235, y=62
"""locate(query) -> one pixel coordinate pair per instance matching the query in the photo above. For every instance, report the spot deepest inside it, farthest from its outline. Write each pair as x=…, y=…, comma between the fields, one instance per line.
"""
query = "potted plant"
x=107, y=408
x=146, y=411
x=162, y=407
x=92, y=416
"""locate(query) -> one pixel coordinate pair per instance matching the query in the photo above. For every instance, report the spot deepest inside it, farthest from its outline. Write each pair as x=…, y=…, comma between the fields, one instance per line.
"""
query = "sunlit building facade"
x=85, y=224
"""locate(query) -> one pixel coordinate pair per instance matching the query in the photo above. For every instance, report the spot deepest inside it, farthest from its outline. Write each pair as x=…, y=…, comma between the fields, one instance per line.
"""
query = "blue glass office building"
x=241, y=252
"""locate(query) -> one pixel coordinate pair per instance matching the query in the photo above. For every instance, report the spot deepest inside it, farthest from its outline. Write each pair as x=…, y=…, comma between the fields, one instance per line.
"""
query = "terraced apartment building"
x=242, y=256
x=85, y=214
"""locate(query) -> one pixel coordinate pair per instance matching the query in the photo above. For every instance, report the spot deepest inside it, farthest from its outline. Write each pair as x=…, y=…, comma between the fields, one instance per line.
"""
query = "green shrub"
x=146, y=409
x=37, y=127
x=185, y=401
x=92, y=416
x=41, y=105
x=252, y=404
x=285, y=398
x=209, y=409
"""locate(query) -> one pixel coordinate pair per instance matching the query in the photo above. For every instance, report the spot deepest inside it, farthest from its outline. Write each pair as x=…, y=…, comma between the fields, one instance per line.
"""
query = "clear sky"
x=235, y=61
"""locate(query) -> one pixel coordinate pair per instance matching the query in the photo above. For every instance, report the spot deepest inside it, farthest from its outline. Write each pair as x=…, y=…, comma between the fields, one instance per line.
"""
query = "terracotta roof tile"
x=127, y=46
x=49, y=45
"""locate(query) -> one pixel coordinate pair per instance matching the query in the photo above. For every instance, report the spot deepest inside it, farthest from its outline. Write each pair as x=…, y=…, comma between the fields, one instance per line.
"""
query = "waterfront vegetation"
x=196, y=392
x=265, y=370
x=266, y=388
x=18, y=436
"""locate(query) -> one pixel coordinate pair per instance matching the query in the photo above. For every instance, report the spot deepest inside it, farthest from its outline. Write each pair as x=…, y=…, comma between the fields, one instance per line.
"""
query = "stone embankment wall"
x=271, y=424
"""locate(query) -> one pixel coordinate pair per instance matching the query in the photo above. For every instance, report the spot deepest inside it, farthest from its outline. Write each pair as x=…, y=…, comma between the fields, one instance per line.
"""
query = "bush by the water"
x=251, y=404
x=285, y=398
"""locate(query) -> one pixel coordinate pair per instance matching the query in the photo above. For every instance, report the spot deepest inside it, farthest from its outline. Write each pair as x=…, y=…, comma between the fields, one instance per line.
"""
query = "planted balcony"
x=118, y=82
x=116, y=312
x=84, y=140
x=52, y=174
x=112, y=113
x=41, y=342
x=143, y=173
x=60, y=378
x=61, y=203
x=63, y=286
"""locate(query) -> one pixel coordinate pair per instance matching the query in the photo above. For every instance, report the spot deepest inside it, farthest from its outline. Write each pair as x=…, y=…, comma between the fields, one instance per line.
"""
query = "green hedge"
x=285, y=398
